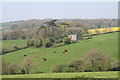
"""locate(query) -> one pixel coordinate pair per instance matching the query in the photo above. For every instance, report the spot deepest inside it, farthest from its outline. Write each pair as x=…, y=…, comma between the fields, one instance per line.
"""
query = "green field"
x=111, y=74
x=8, y=44
x=108, y=43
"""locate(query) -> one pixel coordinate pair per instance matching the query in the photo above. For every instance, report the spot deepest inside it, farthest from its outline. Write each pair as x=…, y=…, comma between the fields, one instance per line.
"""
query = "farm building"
x=76, y=37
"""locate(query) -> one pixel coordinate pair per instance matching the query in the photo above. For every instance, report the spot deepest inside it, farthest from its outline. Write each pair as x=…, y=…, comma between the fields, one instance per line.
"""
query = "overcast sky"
x=12, y=11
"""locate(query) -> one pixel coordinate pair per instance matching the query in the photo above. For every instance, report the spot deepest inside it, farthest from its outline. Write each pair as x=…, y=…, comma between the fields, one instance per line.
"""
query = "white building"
x=76, y=37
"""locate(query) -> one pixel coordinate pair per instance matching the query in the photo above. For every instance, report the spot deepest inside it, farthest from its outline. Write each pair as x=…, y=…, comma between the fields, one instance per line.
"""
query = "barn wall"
x=79, y=37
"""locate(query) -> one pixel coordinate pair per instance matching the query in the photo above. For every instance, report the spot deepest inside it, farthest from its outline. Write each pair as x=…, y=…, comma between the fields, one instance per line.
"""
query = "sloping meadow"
x=107, y=43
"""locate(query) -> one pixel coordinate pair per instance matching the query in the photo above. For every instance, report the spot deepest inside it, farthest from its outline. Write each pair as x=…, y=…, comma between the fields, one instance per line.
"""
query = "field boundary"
x=100, y=34
x=4, y=51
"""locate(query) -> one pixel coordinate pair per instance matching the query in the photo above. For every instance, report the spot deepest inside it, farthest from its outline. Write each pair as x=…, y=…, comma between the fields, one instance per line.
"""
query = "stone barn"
x=76, y=37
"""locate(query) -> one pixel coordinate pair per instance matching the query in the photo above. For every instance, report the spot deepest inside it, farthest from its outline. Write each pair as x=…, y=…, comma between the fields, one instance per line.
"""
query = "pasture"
x=8, y=44
x=107, y=43
x=111, y=74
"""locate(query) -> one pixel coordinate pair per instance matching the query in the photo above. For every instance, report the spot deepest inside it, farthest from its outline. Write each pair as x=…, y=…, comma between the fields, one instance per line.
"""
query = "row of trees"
x=92, y=61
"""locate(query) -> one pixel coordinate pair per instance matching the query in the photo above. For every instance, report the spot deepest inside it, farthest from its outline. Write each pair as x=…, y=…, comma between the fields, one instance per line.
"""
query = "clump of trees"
x=14, y=35
x=67, y=40
x=98, y=60
x=49, y=42
x=45, y=31
x=27, y=65
x=93, y=61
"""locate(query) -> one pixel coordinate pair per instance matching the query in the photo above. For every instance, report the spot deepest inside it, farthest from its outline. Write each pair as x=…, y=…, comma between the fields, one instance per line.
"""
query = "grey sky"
x=12, y=11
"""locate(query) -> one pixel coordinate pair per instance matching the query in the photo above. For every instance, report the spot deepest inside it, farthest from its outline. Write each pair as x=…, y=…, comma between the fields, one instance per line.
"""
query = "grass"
x=111, y=74
x=108, y=43
x=8, y=44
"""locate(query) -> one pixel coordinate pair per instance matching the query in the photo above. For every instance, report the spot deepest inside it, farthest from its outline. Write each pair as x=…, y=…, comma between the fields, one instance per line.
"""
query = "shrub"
x=75, y=62
x=12, y=68
x=58, y=68
x=79, y=64
x=115, y=65
x=47, y=43
x=15, y=47
x=9, y=68
x=66, y=40
x=27, y=65
x=69, y=69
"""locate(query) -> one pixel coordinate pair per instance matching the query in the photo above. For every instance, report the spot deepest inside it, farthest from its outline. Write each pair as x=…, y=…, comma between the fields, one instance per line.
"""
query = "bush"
x=15, y=47
x=9, y=68
x=68, y=69
x=66, y=40
x=79, y=64
x=58, y=68
x=115, y=65
x=24, y=68
x=27, y=65
x=47, y=43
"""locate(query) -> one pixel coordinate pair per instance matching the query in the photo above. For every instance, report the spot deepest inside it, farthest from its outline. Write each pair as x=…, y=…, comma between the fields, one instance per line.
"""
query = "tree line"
x=92, y=23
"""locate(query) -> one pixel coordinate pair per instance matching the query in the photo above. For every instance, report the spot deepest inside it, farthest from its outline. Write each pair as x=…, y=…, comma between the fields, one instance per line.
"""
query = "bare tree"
x=27, y=65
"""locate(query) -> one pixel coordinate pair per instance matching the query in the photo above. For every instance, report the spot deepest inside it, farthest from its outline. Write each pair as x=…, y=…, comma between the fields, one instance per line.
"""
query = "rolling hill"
x=107, y=43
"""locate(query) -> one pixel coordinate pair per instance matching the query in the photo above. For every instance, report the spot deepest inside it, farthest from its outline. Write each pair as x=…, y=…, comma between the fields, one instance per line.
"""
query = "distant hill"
x=91, y=23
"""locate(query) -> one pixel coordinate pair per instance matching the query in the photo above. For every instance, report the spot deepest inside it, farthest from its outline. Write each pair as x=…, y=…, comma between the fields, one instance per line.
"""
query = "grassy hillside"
x=8, y=44
x=111, y=74
x=108, y=43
